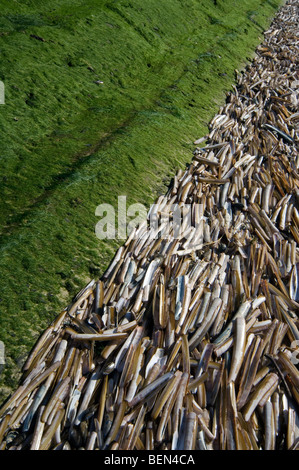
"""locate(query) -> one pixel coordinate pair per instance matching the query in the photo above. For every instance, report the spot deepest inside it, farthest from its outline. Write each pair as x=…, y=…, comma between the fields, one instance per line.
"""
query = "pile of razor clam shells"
x=190, y=339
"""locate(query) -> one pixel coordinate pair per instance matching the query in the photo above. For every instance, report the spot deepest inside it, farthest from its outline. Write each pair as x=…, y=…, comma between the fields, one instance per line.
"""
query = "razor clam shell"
x=199, y=321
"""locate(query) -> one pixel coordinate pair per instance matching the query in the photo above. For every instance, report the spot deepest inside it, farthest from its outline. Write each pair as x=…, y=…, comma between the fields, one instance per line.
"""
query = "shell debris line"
x=190, y=340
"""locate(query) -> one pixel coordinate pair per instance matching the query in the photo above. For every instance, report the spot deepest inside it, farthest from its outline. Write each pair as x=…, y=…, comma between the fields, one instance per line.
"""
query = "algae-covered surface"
x=102, y=99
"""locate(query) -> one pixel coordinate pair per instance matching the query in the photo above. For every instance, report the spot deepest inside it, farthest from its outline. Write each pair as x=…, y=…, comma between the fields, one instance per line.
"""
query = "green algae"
x=102, y=98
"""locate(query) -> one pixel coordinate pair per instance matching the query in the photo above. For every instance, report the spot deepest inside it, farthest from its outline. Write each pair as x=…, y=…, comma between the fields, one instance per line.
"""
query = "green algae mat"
x=100, y=99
